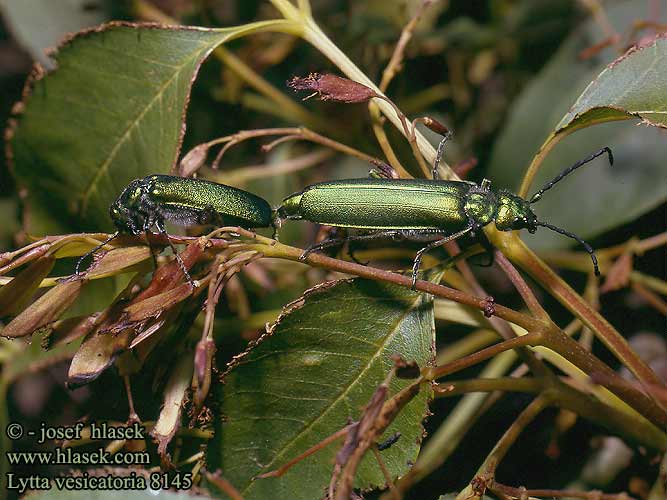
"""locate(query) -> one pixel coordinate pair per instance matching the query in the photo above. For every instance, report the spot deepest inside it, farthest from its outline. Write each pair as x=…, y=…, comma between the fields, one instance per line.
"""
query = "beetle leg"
x=148, y=221
x=438, y=155
x=484, y=241
x=92, y=252
x=330, y=242
x=350, y=252
x=159, y=224
x=340, y=241
x=434, y=244
x=151, y=249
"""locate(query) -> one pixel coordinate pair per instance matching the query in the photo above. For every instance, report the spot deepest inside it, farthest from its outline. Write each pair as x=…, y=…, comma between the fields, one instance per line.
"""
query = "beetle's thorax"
x=514, y=213
x=481, y=205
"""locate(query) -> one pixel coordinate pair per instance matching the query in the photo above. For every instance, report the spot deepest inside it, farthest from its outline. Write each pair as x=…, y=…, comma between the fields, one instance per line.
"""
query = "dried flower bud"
x=382, y=170
x=333, y=88
x=435, y=126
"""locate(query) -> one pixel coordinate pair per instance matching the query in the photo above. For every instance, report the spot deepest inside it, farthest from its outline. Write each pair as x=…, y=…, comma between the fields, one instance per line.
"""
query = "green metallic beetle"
x=419, y=210
x=149, y=202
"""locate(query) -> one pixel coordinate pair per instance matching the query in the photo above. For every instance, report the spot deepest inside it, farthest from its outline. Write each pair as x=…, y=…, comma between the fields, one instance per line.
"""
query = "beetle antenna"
x=569, y=170
x=78, y=263
x=439, y=153
x=588, y=248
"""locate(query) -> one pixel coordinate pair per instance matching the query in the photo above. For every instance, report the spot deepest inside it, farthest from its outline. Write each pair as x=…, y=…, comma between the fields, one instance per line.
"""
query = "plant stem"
x=505, y=384
x=534, y=166
x=468, y=344
x=522, y=287
x=276, y=249
x=292, y=132
x=383, y=141
x=523, y=492
x=432, y=373
x=512, y=246
x=240, y=176
x=395, y=63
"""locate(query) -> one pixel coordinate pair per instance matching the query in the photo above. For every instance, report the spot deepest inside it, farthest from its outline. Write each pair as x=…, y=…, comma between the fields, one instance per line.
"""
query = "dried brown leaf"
x=16, y=294
x=96, y=354
x=67, y=330
x=113, y=261
x=47, y=309
x=151, y=307
x=175, y=391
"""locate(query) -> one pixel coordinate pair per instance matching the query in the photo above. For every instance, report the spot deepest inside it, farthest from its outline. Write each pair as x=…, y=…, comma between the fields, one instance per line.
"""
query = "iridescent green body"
x=408, y=205
x=149, y=202
x=421, y=210
x=158, y=198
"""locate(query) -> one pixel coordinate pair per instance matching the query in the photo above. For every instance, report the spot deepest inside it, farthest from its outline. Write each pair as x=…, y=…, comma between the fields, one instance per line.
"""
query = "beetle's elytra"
x=151, y=201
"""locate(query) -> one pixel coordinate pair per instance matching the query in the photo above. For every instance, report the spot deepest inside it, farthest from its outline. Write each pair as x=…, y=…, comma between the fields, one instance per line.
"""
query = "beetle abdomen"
x=385, y=204
x=194, y=201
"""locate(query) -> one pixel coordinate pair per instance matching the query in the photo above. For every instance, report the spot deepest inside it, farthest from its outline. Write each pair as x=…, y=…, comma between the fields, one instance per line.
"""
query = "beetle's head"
x=126, y=212
x=514, y=213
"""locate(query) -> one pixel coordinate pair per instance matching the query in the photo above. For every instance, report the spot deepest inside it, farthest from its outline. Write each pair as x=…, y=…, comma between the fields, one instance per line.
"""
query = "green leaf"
x=632, y=87
x=316, y=368
x=597, y=197
x=112, y=111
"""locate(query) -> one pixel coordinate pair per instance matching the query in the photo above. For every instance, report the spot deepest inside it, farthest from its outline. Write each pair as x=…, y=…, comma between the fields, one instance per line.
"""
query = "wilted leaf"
x=112, y=111
x=67, y=330
x=151, y=307
x=96, y=354
x=125, y=325
x=48, y=308
x=174, y=396
x=170, y=275
x=118, y=259
x=317, y=368
x=597, y=197
x=18, y=292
